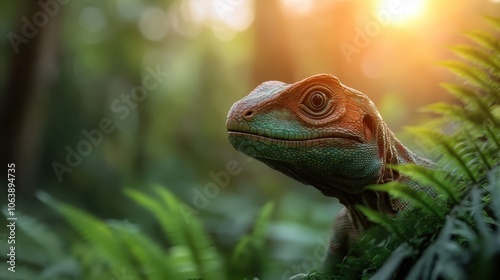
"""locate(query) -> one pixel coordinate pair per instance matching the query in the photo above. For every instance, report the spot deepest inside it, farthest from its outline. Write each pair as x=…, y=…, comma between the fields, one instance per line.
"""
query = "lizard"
x=323, y=133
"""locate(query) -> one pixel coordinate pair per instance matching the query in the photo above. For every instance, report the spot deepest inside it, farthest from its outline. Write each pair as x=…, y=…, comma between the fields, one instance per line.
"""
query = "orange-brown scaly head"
x=317, y=131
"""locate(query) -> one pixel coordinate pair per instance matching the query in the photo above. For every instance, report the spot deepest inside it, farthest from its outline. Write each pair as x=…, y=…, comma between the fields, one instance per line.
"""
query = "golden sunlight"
x=402, y=11
x=297, y=6
x=224, y=17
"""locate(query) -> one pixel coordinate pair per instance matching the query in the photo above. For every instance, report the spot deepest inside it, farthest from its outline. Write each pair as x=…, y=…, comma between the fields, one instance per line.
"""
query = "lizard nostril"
x=248, y=115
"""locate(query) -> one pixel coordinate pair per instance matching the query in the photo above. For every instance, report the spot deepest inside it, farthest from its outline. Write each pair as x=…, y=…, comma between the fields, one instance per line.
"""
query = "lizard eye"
x=317, y=102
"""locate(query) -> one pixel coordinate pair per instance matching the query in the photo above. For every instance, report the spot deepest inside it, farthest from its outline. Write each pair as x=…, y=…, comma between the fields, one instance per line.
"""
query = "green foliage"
x=110, y=242
x=417, y=198
x=444, y=186
x=248, y=256
x=40, y=252
x=123, y=251
x=468, y=245
x=408, y=232
x=456, y=233
x=381, y=219
x=185, y=231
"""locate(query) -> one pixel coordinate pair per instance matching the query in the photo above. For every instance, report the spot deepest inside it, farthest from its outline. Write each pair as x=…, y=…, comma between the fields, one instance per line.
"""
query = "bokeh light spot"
x=298, y=6
x=92, y=19
x=402, y=11
x=153, y=24
x=129, y=9
x=224, y=17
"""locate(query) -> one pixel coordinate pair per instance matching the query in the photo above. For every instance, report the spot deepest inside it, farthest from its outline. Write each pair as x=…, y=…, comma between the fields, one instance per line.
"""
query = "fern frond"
x=494, y=189
x=471, y=99
x=478, y=57
x=445, y=109
x=418, y=198
x=484, y=39
x=248, y=252
x=472, y=75
x=428, y=177
x=381, y=219
x=495, y=22
x=96, y=232
x=208, y=261
x=183, y=231
x=460, y=243
x=170, y=227
x=262, y=224
x=394, y=262
x=481, y=152
x=492, y=136
x=153, y=261
x=448, y=148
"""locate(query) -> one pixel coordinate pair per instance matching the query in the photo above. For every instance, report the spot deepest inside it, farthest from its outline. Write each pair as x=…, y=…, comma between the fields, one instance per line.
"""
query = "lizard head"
x=316, y=131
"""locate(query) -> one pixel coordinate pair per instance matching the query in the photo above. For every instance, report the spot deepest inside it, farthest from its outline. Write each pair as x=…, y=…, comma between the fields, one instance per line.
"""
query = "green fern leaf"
x=472, y=75
x=476, y=56
x=446, y=146
x=262, y=223
x=493, y=136
x=249, y=249
x=170, y=225
x=494, y=190
x=418, y=198
x=493, y=21
x=153, y=261
x=445, y=109
x=468, y=97
x=381, y=219
x=484, y=39
x=479, y=151
x=393, y=263
x=428, y=177
x=92, y=230
x=208, y=261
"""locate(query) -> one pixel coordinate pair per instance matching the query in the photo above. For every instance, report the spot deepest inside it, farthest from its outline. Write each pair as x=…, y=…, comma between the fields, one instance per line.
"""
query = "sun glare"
x=297, y=6
x=402, y=11
x=224, y=17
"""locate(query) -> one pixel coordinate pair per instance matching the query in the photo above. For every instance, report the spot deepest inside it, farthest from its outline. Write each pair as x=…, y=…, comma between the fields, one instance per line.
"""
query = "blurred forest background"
x=79, y=127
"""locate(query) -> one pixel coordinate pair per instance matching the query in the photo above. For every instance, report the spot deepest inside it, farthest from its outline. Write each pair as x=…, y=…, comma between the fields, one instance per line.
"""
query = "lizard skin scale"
x=327, y=135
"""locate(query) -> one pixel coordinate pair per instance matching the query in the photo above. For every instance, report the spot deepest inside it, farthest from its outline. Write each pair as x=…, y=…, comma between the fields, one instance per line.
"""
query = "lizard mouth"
x=320, y=181
x=235, y=129
x=293, y=141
